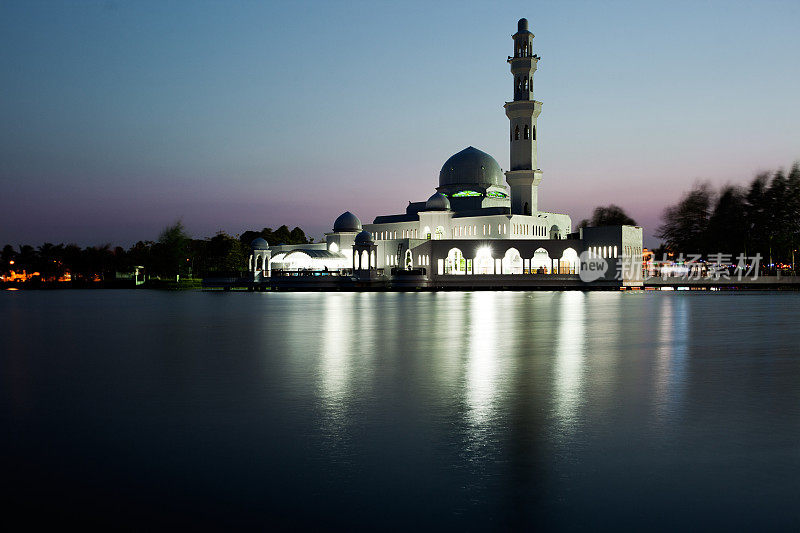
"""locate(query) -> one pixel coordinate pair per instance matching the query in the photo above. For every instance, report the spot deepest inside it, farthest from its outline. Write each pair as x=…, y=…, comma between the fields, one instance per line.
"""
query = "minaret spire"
x=524, y=176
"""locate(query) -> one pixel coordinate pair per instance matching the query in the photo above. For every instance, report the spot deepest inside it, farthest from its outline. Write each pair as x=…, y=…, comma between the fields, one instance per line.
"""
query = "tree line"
x=173, y=254
x=762, y=217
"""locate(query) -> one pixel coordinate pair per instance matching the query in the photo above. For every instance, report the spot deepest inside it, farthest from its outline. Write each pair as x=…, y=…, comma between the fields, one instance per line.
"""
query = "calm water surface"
x=470, y=410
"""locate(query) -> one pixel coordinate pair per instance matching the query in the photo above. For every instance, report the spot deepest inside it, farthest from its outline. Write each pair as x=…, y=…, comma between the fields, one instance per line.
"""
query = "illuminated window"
x=462, y=194
x=527, y=133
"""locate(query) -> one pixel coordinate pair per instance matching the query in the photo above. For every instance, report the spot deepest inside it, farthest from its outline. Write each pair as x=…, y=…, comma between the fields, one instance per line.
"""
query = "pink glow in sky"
x=120, y=118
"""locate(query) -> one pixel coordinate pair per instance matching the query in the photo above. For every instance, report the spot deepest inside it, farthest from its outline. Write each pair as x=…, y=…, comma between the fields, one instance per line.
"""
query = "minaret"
x=524, y=176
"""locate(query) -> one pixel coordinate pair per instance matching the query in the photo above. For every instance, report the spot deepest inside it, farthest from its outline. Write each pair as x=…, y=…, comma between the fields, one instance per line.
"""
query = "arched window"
x=527, y=132
x=455, y=263
x=512, y=262
x=516, y=133
x=530, y=84
x=541, y=262
x=525, y=84
x=533, y=132
x=526, y=209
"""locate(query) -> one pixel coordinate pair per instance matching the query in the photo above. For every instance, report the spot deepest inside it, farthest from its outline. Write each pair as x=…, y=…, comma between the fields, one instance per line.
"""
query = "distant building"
x=475, y=223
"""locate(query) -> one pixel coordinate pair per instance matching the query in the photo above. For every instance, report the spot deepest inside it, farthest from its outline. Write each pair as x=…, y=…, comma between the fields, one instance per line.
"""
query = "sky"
x=118, y=118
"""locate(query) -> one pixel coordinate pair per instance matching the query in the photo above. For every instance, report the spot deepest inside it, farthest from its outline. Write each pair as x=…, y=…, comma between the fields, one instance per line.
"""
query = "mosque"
x=480, y=222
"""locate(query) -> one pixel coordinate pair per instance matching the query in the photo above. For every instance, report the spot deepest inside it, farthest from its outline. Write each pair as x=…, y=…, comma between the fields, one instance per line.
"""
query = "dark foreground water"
x=438, y=410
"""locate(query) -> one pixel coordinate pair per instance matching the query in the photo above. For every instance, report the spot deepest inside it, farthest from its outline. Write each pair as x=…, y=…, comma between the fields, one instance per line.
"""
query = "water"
x=341, y=410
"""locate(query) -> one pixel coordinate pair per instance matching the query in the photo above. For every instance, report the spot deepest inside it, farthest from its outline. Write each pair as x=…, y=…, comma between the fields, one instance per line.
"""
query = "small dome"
x=473, y=167
x=259, y=244
x=522, y=25
x=347, y=222
x=437, y=202
x=364, y=237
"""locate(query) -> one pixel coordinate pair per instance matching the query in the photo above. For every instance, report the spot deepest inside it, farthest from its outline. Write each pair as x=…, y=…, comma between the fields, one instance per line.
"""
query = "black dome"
x=259, y=244
x=364, y=237
x=347, y=222
x=471, y=166
x=437, y=202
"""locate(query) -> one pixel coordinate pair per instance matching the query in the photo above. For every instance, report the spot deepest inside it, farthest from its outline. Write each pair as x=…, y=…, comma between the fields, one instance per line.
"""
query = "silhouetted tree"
x=221, y=253
x=171, y=249
x=6, y=257
x=763, y=218
x=280, y=236
x=685, y=224
x=727, y=227
x=611, y=215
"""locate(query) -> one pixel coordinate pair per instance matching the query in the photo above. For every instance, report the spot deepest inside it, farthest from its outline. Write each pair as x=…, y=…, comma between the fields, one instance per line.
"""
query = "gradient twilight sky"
x=120, y=117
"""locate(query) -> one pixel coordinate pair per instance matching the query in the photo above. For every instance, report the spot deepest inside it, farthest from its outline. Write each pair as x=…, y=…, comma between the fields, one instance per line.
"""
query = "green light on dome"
x=462, y=194
x=496, y=194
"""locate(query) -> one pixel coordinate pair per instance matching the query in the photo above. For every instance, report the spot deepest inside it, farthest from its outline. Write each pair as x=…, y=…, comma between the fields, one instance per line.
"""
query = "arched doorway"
x=439, y=233
x=569, y=262
x=455, y=264
x=426, y=233
x=512, y=262
x=484, y=262
x=555, y=233
x=541, y=263
x=409, y=261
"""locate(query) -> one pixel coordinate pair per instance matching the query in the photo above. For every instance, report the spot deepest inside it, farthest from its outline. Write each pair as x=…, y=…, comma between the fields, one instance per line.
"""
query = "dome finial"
x=522, y=25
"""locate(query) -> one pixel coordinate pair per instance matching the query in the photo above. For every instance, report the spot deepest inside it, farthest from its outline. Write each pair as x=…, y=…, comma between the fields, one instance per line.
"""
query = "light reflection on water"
x=335, y=359
x=483, y=360
x=569, y=359
x=479, y=409
x=670, y=355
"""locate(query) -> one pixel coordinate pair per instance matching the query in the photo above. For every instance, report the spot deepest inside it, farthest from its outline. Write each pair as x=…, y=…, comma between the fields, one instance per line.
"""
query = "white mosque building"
x=481, y=221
